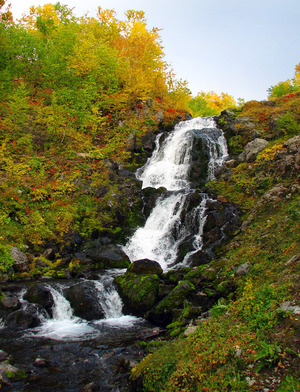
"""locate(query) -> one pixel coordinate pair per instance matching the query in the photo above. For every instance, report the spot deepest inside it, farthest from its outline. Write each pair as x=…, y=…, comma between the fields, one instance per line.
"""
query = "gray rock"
x=20, y=260
x=243, y=269
x=10, y=302
x=252, y=149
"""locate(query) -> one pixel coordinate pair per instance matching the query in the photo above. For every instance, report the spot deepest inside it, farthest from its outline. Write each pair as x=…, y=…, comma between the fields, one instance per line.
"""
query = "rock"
x=167, y=308
x=41, y=362
x=288, y=307
x=274, y=194
x=20, y=260
x=26, y=318
x=190, y=329
x=84, y=300
x=131, y=142
x=10, y=302
x=138, y=292
x=252, y=149
x=3, y=356
x=231, y=163
x=243, y=269
x=49, y=254
x=111, y=256
x=145, y=267
x=8, y=372
x=39, y=294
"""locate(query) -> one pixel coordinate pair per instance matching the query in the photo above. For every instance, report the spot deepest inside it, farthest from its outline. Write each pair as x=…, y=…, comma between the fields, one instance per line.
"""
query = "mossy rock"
x=138, y=292
x=168, y=308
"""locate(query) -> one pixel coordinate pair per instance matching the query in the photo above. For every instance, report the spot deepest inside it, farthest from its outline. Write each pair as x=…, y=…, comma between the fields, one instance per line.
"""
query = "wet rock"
x=145, y=267
x=9, y=373
x=40, y=294
x=138, y=292
x=84, y=300
x=10, y=301
x=150, y=196
x=252, y=149
x=21, y=263
x=41, y=362
x=28, y=317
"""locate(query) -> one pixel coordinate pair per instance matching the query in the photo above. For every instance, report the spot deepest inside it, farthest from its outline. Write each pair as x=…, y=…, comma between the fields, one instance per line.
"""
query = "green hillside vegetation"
x=74, y=93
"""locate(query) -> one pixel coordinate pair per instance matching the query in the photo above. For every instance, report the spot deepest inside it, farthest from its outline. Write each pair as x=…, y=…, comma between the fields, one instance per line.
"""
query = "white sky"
x=241, y=47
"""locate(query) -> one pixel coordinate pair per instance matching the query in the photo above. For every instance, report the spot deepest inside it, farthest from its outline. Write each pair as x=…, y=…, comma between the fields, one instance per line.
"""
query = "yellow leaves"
x=210, y=103
x=38, y=194
x=268, y=154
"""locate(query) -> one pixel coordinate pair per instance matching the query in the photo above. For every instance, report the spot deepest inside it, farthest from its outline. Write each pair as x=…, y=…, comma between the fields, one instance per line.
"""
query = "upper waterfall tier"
x=172, y=159
x=182, y=160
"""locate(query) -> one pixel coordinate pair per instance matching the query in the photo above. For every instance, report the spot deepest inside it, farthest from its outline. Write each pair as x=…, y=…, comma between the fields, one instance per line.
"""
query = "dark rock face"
x=39, y=294
x=84, y=301
x=145, y=267
x=28, y=317
x=110, y=256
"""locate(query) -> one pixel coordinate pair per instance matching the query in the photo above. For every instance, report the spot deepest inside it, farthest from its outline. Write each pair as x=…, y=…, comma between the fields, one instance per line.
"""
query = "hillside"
x=250, y=341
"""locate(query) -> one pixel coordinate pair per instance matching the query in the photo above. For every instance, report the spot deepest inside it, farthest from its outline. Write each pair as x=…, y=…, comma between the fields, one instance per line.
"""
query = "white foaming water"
x=169, y=167
x=155, y=241
x=65, y=326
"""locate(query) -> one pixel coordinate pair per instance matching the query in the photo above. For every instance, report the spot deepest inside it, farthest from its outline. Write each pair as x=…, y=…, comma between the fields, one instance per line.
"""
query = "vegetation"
x=249, y=342
x=286, y=87
x=74, y=92
x=210, y=104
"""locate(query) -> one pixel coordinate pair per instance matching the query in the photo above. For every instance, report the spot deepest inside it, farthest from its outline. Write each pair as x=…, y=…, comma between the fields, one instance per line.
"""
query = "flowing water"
x=77, y=351
x=169, y=167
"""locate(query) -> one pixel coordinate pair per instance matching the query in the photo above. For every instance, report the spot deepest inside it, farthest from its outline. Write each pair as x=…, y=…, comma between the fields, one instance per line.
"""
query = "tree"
x=210, y=104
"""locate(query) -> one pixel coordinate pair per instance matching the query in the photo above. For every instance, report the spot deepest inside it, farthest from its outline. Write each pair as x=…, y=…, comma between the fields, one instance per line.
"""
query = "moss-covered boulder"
x=171, y=306
x=138, y=292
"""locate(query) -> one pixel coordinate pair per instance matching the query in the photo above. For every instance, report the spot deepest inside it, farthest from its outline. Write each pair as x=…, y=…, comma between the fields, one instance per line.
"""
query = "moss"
x=139, y=292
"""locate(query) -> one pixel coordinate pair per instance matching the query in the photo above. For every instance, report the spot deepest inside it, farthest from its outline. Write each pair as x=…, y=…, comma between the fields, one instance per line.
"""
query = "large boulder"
x=252, y=149
x=145, y=267
x=21, y=263
x=85, y=302
x=138, y=292
x=40, y=294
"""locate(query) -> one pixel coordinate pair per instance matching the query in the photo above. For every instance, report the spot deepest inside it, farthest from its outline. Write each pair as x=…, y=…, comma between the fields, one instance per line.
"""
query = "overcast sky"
x=241, y=47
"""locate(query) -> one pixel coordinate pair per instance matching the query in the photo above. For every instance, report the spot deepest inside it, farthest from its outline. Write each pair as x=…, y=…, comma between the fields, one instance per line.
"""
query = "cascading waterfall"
x=169, y=167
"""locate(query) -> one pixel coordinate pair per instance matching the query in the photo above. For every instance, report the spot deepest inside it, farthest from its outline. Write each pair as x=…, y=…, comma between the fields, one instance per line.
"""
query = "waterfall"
x=170, y=167
x=65, y=325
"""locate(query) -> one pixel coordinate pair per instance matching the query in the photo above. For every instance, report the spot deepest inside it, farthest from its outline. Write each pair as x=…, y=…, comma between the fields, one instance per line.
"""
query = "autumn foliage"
x=72, y=91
